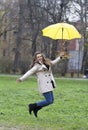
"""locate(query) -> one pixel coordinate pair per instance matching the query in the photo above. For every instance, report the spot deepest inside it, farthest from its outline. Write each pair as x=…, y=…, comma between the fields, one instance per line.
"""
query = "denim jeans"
x=49, y=99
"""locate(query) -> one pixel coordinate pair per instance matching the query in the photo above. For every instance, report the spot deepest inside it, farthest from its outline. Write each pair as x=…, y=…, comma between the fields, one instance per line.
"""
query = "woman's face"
x=39, y=58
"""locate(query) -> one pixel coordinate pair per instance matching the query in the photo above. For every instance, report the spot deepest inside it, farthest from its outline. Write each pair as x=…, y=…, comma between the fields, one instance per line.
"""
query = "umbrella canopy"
x=61, y=31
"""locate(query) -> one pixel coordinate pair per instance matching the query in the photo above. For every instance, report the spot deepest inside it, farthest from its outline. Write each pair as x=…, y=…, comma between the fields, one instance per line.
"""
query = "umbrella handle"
x=62, y=45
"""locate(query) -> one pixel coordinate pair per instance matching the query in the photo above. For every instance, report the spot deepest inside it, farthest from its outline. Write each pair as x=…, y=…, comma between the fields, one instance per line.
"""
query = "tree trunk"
x=18, y=38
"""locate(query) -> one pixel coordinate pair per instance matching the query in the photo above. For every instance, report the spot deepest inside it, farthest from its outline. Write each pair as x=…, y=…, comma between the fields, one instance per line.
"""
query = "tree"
x=26, y=19
x=18, y=36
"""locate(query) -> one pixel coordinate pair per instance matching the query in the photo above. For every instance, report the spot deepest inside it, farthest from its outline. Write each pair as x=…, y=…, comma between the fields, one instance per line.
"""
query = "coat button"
x=47, y=82
x=49, y=74
x=45, y=75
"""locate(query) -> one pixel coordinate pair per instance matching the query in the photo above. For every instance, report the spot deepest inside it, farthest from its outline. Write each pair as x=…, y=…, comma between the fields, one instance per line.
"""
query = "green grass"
x=69, y=111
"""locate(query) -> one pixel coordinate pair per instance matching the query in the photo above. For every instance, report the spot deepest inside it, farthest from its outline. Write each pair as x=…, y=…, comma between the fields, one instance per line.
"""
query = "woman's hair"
x=45, y=60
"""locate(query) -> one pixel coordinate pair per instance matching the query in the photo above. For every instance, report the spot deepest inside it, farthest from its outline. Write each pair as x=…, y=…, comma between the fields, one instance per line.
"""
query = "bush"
x=6, y=65
x=23, y=66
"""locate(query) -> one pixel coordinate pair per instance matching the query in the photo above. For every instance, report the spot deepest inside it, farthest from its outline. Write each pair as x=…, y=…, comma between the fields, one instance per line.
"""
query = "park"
x=69, y=111
x=47, y=39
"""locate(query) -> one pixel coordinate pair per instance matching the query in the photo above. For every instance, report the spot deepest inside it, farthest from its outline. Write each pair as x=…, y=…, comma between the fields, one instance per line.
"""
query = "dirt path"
x=8, y=128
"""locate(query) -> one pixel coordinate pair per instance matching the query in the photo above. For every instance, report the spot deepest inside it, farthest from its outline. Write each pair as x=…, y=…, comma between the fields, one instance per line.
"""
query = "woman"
x=42, y=67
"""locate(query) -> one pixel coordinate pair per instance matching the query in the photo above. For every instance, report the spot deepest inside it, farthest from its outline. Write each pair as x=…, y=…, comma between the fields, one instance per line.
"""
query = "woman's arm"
x=62, y=54
x=55, y=61
x=28, y=73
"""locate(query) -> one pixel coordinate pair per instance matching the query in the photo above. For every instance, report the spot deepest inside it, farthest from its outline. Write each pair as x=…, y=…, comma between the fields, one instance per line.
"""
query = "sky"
x=71, y=14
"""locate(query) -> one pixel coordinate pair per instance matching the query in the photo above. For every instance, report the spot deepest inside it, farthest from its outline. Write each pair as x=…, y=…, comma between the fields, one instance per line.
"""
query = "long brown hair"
x=45, y=60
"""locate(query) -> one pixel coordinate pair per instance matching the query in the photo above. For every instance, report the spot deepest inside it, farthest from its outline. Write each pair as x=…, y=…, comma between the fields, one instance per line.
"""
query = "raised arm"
x=62, y=54
x=55, y=61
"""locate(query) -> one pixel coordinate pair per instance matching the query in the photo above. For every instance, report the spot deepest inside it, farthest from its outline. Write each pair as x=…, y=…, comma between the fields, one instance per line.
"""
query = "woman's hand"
x=18, y=81
x=62, y=54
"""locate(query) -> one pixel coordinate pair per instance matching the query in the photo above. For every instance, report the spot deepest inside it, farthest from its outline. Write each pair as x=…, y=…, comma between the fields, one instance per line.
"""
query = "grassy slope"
x=69, y=111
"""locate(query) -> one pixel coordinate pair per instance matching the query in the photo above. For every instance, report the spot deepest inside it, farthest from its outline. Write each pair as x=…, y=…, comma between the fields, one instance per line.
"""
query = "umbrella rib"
x=58, y=31
x=68, y=34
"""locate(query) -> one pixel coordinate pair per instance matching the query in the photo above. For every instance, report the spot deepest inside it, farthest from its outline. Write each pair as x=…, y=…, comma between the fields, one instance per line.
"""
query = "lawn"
x=69, y=111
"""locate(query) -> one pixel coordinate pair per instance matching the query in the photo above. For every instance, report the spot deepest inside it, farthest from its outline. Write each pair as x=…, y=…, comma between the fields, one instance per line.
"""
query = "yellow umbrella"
x=61, y=31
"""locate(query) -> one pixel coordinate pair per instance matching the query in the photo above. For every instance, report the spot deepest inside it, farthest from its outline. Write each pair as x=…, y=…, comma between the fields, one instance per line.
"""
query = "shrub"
x=6, y=65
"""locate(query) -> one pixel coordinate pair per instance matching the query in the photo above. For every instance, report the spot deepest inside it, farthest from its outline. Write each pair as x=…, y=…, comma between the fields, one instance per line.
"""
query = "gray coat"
x=44, y=76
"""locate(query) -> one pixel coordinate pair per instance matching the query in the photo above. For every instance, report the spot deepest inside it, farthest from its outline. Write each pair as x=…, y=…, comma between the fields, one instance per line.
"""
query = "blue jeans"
x=49, y=99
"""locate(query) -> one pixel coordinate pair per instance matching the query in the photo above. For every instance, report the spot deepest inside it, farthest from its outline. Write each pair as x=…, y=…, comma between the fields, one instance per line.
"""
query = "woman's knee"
x=50, y=101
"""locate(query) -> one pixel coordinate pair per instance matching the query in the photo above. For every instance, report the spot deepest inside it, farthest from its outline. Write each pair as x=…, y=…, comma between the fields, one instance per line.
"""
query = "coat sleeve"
x=55, y=61
x=28, y=73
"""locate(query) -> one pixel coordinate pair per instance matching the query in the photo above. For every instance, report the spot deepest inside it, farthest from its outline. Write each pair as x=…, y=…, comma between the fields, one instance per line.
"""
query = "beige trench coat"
x=44, y=76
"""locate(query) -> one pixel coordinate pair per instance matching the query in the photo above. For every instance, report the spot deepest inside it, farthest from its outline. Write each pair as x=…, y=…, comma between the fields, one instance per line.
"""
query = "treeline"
x=21, y=22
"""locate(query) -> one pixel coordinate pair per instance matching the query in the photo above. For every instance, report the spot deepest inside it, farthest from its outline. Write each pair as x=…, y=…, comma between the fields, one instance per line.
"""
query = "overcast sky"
x=72, y=15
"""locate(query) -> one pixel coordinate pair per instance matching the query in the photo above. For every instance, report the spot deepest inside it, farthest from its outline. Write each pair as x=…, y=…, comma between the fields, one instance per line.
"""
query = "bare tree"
x=6, y=20
x=27, y=18
x=18, y=36
x=35, y=19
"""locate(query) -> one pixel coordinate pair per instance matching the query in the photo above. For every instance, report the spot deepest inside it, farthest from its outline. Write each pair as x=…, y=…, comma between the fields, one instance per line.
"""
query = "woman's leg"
x=49, y=99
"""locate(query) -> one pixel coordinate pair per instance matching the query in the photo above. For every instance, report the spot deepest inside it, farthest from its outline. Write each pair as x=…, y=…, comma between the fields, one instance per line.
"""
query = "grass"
x=69, y=111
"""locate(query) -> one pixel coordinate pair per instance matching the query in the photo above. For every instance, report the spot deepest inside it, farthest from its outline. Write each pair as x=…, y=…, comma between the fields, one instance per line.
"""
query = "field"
x=69, y=111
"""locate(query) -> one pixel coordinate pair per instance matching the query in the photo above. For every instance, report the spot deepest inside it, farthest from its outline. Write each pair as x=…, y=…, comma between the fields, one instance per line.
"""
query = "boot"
x=32, y=107
x=36, y=110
